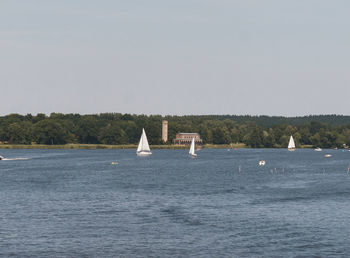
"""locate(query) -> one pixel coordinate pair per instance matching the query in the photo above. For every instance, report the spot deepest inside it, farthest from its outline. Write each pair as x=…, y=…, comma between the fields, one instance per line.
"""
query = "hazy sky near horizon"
x=258, y=57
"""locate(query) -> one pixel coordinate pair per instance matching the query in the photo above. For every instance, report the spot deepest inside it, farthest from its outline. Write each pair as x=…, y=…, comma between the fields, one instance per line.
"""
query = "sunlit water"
x=75, y=203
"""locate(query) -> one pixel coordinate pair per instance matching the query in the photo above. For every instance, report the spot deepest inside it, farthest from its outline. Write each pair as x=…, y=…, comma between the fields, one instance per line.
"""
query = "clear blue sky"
x=271, y=57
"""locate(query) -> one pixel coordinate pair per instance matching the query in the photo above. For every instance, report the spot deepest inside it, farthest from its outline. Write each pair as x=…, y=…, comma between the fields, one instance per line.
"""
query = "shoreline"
x=106, y=146
x=128, y=146
x=84, y=146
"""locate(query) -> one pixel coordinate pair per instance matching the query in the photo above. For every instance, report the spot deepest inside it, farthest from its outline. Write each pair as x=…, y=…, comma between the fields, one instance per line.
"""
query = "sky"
x=183, y=57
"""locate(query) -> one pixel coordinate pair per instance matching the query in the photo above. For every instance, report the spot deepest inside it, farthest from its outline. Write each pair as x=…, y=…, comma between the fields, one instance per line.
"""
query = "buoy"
x=262, y=163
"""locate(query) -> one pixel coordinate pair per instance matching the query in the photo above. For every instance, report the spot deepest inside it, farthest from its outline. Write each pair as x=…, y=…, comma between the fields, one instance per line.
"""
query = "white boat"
x=318, y=149
x=291, y=145
x=327, y=155
x=262, y=163
x=192, y=148
x=143, y=148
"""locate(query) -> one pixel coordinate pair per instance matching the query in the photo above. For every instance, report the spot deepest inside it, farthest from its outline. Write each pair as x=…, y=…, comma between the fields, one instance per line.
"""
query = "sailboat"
x=143, y=148
x=192, y=148
x=291, y=145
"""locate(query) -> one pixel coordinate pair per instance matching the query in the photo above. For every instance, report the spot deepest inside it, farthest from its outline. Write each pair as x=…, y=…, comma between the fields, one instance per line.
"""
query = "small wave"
x=222, y=192
x=177, y=215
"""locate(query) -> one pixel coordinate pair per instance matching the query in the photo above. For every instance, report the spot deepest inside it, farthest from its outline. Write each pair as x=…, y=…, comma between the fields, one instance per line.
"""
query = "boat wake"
x=6, y=159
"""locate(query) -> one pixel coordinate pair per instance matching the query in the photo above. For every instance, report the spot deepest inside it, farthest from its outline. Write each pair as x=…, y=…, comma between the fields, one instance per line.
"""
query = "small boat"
x=318, y=149
x=192, y=148
x=143, y=148
x=114, y=163
x=327, y=155
x=291, y=144
x=262, y=163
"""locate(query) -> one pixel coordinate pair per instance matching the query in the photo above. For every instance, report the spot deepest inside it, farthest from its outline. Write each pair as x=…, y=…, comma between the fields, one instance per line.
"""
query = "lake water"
x=75, y=203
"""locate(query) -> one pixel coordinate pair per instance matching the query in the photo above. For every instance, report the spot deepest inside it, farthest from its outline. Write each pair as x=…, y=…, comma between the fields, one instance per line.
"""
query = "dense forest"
x=114, y=128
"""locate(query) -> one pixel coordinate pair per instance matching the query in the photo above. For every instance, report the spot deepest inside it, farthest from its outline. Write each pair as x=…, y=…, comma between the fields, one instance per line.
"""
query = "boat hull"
x=144, y=153
x=291, y=149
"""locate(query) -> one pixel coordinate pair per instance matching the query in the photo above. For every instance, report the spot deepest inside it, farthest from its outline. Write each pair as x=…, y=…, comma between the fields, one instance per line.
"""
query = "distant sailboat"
x=192, y=148
x=291, y=145
x=143, y=148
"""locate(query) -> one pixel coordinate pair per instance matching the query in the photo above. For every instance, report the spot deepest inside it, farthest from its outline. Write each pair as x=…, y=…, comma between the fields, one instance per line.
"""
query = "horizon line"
x=174, y=115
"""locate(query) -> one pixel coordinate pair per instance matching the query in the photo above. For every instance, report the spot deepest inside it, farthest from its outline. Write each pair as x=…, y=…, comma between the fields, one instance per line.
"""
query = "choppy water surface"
x=75, y=203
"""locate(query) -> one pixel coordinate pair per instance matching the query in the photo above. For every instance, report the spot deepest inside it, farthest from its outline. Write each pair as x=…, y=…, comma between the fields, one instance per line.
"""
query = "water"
x=75, y=203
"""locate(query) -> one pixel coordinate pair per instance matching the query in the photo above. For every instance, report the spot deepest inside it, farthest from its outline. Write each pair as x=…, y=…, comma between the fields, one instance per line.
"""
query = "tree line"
x=115, y=128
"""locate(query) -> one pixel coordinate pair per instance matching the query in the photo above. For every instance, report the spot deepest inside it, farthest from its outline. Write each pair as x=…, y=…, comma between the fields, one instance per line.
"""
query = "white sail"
x=191, y=152
x=143, y=147
x=291, y=144
x=139, y=148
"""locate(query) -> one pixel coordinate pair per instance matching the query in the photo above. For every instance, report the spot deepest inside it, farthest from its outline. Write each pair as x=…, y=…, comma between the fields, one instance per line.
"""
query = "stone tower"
x=165, y=131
